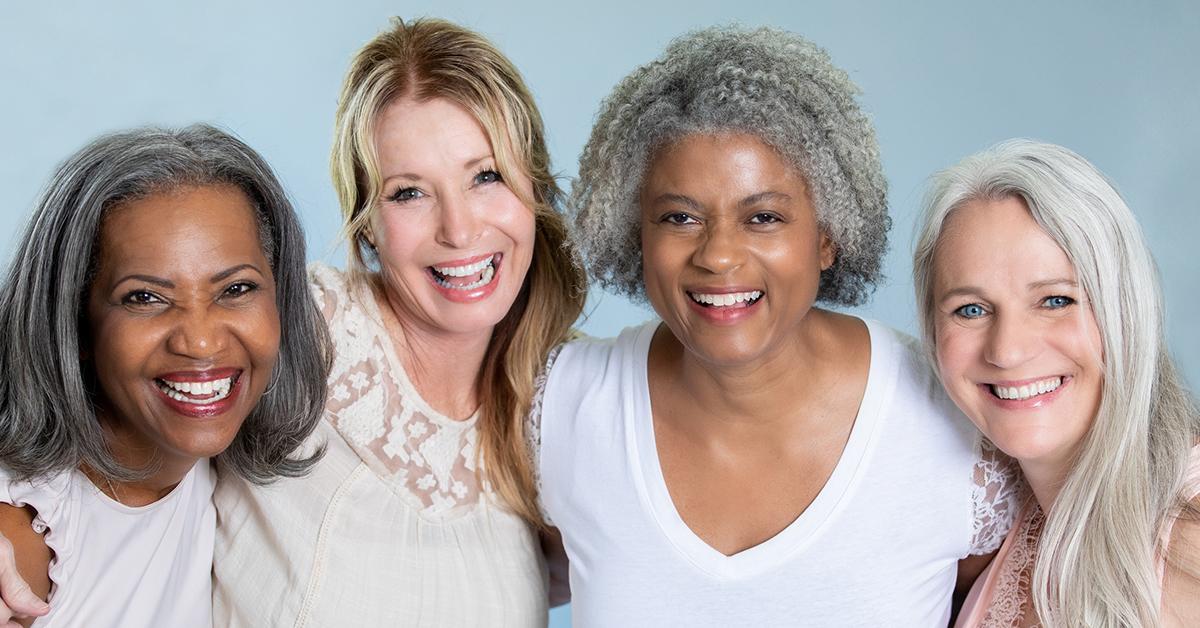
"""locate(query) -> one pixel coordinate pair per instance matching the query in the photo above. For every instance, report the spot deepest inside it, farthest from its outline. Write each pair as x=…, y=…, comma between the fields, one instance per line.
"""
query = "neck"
x=450, y=386
x=1046, y=479
x=758, y=393
x=132, y=452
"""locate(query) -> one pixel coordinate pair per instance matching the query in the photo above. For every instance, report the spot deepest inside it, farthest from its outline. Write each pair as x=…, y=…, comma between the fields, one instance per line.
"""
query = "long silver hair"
x=47, y=412
x=1096, y=557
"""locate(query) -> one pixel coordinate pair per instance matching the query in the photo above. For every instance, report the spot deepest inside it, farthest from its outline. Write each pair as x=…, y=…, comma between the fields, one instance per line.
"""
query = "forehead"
x=994, y=243
x=182, y=231
x=408, y=130
x=720, y=164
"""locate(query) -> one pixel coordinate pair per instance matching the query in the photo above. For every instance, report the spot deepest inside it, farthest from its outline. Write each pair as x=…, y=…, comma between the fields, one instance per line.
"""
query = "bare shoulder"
x=1181, y=580
x=28, y=548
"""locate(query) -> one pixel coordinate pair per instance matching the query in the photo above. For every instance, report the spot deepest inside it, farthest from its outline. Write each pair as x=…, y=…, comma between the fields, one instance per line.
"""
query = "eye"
x=240, y=288
x=141, y=297
x=405, y=194
x=679, y=218
x=970, y=311
x=1057, y=302
x=764, y=218
x=488, y=176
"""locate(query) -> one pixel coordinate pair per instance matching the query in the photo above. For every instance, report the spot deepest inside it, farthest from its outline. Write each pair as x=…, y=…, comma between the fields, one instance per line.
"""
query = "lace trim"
x=533, y=428
x=428, y=459
x=1011, y=603
x=996, y=498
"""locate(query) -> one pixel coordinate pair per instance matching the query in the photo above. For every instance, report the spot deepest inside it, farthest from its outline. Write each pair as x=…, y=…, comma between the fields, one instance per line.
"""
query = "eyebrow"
x=166, y=283
x=753, y=199
x=1036, y=285
x=467, y=165
x=676, y=198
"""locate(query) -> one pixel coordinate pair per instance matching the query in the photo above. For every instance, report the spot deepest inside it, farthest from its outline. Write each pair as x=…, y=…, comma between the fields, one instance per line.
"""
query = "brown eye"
x=141, y=297
x=241, y=288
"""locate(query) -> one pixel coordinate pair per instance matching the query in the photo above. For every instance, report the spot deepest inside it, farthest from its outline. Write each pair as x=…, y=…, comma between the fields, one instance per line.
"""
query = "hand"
x=17, y=600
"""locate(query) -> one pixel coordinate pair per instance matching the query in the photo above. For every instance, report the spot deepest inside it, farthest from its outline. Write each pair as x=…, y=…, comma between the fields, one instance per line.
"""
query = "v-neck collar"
x=847, y=473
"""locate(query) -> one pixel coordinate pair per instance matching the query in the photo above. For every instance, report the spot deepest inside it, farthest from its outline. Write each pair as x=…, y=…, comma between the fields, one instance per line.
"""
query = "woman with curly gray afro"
x=743, y=460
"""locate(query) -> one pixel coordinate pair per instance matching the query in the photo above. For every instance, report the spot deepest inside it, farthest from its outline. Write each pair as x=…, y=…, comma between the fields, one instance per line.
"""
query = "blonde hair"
x=429, y=58
x=1096, y=556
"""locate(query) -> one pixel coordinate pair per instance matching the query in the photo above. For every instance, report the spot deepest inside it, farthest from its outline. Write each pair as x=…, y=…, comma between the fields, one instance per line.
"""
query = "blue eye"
x=488, y=176
x=970, y=310
x=405, y=194
x=1057, y=302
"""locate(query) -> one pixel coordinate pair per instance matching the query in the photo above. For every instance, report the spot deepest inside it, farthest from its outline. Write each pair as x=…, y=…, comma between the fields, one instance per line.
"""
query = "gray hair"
x=47, y=413
x=1095, y=560
x=768, y=83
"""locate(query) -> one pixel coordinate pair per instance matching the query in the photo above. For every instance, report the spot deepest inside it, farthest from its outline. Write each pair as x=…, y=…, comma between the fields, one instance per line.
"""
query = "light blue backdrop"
x=1118, y=83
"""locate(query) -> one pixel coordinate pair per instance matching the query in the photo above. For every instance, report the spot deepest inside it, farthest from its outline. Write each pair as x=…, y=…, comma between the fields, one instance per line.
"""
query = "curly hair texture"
x=768, y=83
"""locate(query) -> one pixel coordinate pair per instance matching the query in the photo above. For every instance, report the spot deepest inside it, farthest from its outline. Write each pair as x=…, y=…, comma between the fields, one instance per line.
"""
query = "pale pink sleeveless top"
x=996, y=600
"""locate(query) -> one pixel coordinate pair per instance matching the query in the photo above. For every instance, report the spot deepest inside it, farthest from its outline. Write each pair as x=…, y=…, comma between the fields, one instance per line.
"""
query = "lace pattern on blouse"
x=996, y=497
x=533, y=428
x=1011, y=602
x=427, y=458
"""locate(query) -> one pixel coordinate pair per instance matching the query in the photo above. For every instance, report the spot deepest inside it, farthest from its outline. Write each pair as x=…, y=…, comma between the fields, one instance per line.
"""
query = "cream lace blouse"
x=393, y=526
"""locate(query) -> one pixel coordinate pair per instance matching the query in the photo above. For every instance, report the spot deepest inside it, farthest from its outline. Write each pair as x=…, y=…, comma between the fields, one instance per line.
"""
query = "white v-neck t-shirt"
x=914, y=491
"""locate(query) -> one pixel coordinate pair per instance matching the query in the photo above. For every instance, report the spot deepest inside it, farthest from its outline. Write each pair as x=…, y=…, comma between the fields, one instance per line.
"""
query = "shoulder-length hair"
x=768, y=83
x=48, y=417
x=425, y=59
x=1095, y=564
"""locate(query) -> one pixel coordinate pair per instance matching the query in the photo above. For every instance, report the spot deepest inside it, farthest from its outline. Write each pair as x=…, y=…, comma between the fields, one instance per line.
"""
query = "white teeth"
x=725, y=299
x=464, y=271
x=196, y=392
x=488, y=273
x=1027, y=391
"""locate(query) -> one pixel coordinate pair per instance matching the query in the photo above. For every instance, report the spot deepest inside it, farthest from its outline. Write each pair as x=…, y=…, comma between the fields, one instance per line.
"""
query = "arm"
x=969, y=569
x=556, y=560
x=24, y=568
x=1181, y=580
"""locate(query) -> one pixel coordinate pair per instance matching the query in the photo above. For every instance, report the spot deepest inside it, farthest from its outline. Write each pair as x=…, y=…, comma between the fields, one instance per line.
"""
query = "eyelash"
x=1065, y=302
x=402, y=195
x=144, y=298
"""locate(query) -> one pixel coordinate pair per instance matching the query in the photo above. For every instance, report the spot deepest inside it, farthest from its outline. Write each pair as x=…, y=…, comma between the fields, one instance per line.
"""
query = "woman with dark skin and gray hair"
x=156, y=317
x=751, y=459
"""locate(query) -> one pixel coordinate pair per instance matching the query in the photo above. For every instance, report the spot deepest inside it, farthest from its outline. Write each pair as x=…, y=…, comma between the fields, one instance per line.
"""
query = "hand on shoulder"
x=24, y=566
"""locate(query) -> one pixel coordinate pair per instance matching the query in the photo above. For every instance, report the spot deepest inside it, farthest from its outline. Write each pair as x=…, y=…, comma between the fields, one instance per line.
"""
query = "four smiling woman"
x=750, y=457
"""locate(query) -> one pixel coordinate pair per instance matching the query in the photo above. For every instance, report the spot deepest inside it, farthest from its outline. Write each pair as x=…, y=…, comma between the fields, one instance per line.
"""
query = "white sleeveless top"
x=393, y=527
x=915, y=490
x=116, y=565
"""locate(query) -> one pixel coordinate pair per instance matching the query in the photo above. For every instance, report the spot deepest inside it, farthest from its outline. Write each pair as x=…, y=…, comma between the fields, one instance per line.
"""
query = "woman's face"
x=454, y=240
x=731, y=250
x=182, y=322
x=1017, y=344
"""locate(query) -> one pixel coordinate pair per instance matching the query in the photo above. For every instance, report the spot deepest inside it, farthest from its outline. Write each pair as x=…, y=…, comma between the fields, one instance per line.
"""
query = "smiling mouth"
x=468, y=276
x=198, y=393
x=727, y=299
x=1026, y=391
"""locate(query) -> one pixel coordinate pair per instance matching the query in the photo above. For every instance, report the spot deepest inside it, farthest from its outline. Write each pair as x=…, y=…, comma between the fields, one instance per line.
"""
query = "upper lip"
x=207, y=375
x=1017, y=383
x=464, y=261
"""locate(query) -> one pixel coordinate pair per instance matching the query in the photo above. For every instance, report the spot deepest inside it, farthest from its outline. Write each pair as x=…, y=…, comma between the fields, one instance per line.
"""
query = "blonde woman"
x=422, y=511
x=1040, y=304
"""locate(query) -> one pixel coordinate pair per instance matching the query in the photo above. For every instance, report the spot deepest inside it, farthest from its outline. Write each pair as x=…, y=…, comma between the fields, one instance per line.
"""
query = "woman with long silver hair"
x=155, y=319
x=1040, y=305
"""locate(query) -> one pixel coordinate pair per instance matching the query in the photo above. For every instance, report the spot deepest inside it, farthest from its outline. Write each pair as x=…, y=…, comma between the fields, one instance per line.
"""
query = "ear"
x=828, y=251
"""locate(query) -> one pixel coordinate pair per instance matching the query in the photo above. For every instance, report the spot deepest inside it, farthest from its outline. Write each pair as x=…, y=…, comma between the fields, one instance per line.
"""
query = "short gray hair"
x=1094, y=565
x=47, y=413
x=767, y=83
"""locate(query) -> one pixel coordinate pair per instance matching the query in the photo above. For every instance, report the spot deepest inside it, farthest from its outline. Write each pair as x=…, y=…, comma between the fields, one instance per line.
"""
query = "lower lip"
x=468, y=296
x=1031, y=403
x=202, y=410
x=725, y=315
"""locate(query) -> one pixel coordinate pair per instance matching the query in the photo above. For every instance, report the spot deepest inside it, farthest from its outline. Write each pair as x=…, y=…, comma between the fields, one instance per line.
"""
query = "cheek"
x=258, y=329
x=399, y=236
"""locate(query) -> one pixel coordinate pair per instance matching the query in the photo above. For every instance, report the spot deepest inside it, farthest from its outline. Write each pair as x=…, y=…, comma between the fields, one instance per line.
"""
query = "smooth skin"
x=182, y=286
x=749, y=417
x=1008, y=309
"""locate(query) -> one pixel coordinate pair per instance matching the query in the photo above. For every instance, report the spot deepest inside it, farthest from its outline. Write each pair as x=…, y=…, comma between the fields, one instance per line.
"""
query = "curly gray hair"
x=765, y=82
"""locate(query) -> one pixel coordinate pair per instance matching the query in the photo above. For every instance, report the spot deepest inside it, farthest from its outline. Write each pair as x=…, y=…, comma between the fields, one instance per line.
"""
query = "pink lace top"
x=1000, y=597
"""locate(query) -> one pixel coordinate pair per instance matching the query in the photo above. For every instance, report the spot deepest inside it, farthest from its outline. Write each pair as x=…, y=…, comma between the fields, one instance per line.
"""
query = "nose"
x=198, y=334
x=459, y=222
x=721, y=249
x=1011, y=341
